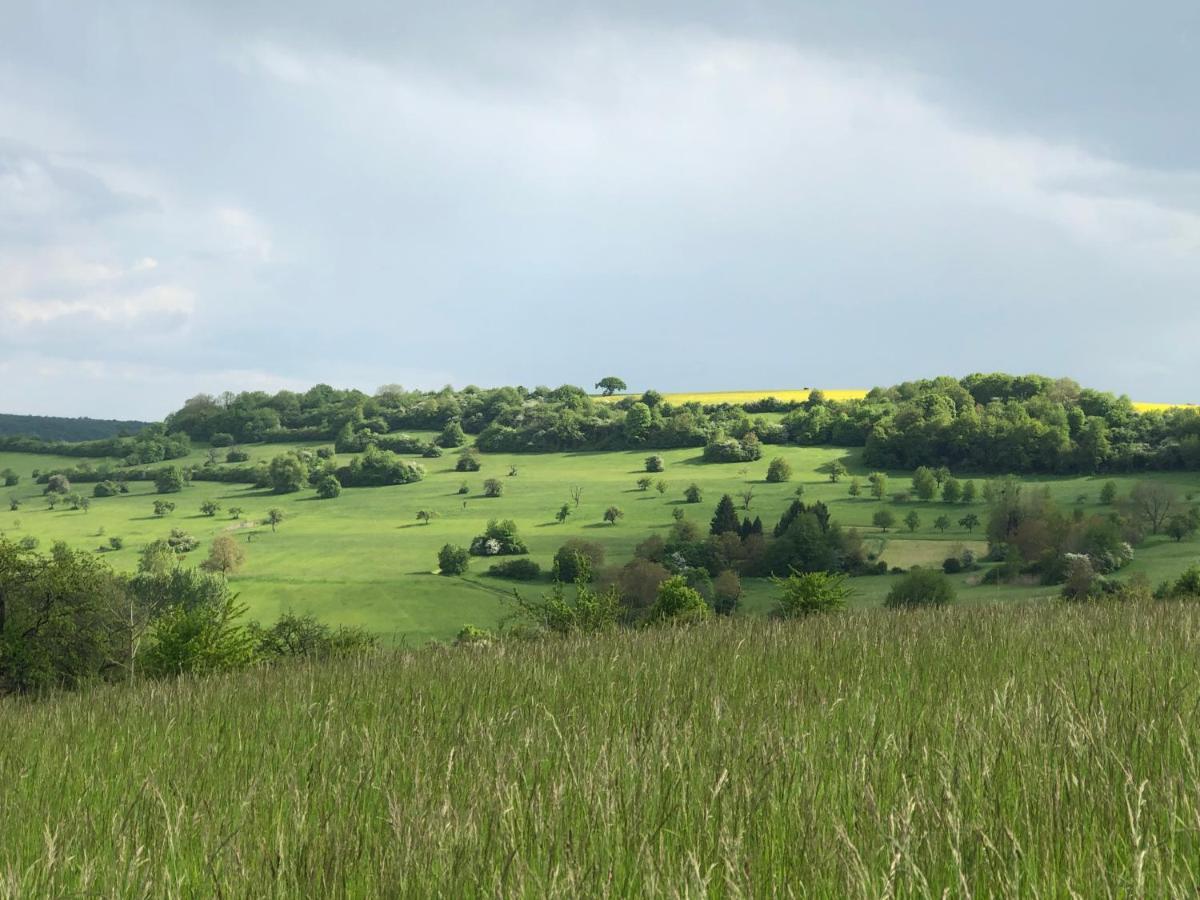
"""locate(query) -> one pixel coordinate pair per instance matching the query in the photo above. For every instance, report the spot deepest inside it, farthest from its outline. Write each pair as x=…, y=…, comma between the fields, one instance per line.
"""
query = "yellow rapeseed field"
x=740, y=397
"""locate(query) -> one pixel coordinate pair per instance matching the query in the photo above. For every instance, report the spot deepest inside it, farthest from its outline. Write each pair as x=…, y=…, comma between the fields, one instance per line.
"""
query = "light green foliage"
x=676, y=602
x=805, y=593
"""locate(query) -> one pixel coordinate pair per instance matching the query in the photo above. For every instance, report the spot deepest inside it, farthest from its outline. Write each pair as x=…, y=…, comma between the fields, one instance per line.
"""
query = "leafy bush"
x=500, y=538
x=726, y=449
x=329, y=487
x=221, y=439
x=236, y=455
x=516, y=569
x=468, y=461
x=779, y=470
x=181, y=542
x=577, y=560
x=920, y=587
x=676, y=602
x=453, y=560
x=106, y=489
x=169, y=480
x=377, y=468
x=305, y=637
x=655, y=463
x=693, y=493
x=805, y=593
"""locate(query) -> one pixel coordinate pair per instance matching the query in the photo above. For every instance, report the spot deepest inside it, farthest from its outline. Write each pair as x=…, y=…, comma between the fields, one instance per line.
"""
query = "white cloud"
x=167, y=302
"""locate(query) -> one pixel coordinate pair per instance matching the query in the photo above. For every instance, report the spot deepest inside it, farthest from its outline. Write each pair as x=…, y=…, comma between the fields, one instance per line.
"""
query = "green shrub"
x=516, y=569
x=453, y=560
x=779, y=470
x=805, y=593
x=921, y=587
x=676, y=602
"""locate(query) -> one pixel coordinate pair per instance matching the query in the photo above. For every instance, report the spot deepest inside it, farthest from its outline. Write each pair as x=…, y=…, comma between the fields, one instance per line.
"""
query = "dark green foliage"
x=921, y=587
x=51, y=429
x=726, y=449
x=500, y=538
x=468, y=461
x=655, y=463
x=693, y=493
x=288, y=473
x=493, y=487
x=169, y=480
x=452, y=435
x=377, y=468
x=577, y=560
x=557, y=612
x=516, y=569
x=610, y=385
x=453, y=560
x=57, y=626
x=304, y=636
x=329, y=487
x=221, y=439
x=779, y=470
x=57, y=484
x=106, y=489
x=236, y=455
x=725, y=518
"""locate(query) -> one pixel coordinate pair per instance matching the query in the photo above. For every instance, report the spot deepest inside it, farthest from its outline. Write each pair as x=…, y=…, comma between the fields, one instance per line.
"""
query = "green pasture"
x=363, y=559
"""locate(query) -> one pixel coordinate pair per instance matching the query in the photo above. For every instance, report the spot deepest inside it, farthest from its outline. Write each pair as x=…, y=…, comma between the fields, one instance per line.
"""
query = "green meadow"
x=364, y=559
x=999, y=750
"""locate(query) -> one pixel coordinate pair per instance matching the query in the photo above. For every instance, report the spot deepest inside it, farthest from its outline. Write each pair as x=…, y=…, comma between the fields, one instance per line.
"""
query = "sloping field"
x=1026, y=750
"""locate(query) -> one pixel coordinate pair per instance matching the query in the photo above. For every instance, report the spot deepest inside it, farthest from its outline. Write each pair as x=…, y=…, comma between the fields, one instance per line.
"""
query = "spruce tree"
x=726, y=517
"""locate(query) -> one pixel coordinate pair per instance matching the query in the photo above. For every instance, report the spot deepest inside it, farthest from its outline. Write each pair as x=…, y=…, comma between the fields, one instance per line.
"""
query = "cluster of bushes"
x=722, y=449
x=500, y=538
x=67, y=620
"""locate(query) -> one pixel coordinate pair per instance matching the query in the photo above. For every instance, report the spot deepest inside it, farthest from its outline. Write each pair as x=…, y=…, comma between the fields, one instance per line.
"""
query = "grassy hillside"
x=363, y=559
x=59, y=428
x=1011, y=750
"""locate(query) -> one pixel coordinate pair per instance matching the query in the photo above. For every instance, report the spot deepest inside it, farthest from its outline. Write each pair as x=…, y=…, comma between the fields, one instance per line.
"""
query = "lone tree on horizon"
x=610, y=385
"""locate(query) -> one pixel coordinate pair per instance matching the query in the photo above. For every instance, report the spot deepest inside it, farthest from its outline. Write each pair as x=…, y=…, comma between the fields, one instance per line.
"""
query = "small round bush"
x=329, y=487
x=779, y=470
x=236, y=455
x=221, y=439
x=920, y=587
x=654, y=463
x=105, y=489
x=952, y=565
x=453, y=560
x=468, y=461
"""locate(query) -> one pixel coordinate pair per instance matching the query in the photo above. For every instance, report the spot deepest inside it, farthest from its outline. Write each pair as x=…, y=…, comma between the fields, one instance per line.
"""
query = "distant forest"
x=995, y=423
x=59, y=428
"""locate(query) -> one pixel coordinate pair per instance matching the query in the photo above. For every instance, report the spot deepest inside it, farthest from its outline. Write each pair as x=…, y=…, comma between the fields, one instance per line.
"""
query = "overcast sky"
x=691, y=195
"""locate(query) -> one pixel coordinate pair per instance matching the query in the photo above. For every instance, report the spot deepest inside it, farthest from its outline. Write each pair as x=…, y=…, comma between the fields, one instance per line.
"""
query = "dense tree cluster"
x=987, y=423
x=66, y=619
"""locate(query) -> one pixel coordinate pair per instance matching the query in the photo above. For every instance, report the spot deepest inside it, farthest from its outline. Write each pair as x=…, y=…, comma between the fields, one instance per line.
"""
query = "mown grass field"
x=363, y=559
x=1000, y=750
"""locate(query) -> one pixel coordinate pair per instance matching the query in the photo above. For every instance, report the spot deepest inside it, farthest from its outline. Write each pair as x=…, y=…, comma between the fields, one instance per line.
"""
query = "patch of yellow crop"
x=1158, y=407
x=739, y=397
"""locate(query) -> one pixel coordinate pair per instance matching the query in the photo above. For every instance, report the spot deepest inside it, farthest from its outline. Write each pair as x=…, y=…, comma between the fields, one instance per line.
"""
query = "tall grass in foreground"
x=1037, y=750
